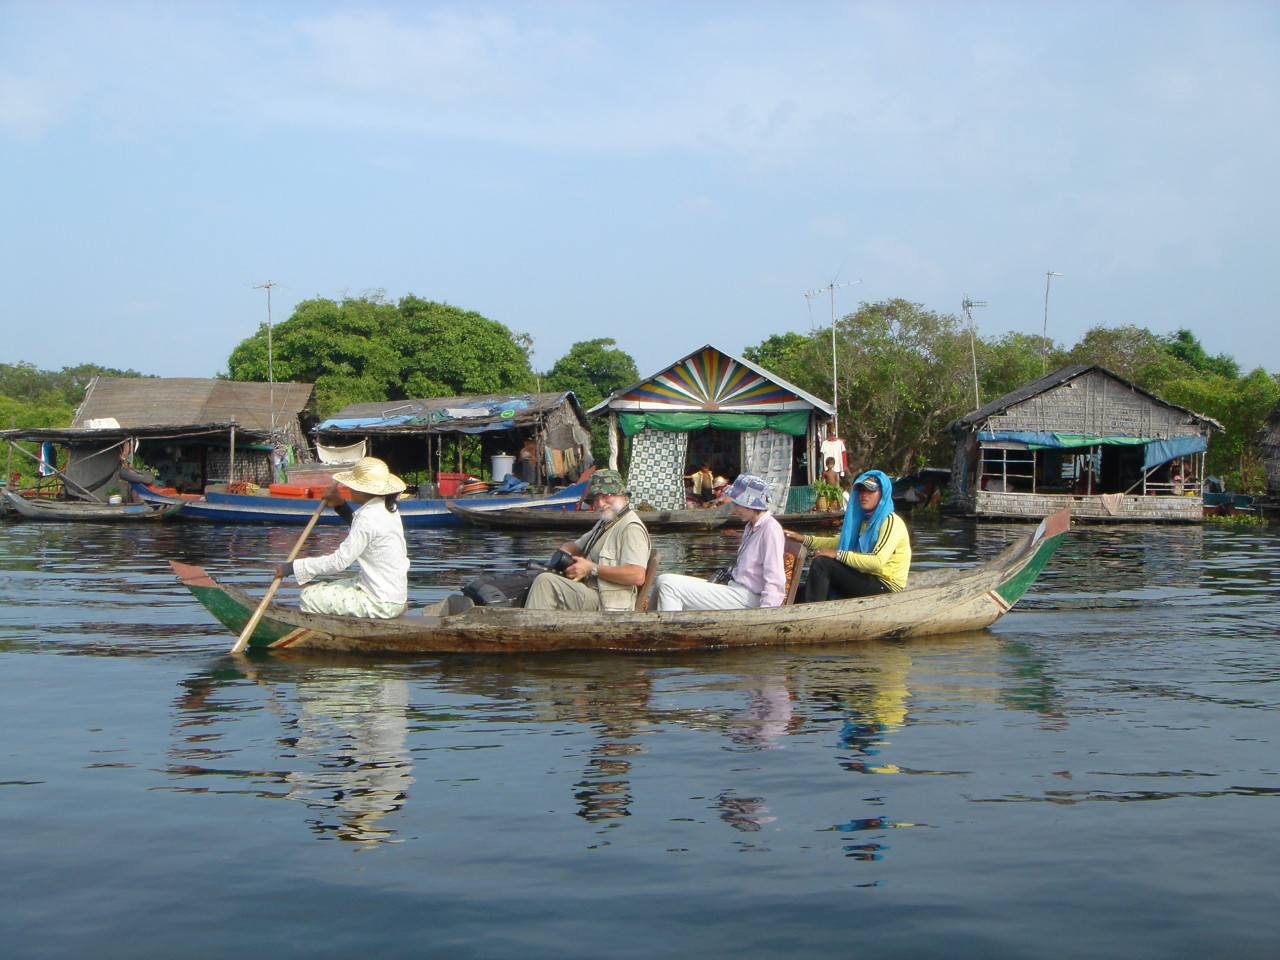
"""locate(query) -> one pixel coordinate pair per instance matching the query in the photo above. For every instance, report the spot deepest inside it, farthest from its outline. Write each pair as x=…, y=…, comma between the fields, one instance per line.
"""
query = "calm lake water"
x=1098, y=775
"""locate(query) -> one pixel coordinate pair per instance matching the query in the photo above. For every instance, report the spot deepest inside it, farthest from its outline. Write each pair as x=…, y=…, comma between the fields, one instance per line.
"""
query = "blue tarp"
x=1155, y=451
x=1162, y=451
x=353, y=423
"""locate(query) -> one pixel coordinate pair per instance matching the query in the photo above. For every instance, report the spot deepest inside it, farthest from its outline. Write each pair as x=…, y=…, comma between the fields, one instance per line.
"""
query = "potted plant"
x=829, y=497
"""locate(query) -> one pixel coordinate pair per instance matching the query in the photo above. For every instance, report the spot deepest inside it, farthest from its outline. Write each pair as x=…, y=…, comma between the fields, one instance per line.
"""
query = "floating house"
x=712, y=407
x=436, y=437
x=190, y=432
x=1084, y=438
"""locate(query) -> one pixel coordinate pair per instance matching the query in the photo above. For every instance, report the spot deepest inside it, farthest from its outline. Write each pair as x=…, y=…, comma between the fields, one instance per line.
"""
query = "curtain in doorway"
x=656, y=476
x=767, y=453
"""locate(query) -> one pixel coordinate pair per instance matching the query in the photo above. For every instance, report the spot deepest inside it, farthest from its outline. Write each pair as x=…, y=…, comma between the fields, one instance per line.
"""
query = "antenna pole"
x=831, y=288
x=271, y=374
x=1044, y=347
x=967, y=305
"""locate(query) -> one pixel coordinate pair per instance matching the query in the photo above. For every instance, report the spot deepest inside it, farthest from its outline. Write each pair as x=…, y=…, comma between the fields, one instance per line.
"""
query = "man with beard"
x=609, y=559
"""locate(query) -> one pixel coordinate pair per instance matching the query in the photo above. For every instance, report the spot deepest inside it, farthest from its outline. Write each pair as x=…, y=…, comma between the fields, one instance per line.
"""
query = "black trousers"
x=827, y=573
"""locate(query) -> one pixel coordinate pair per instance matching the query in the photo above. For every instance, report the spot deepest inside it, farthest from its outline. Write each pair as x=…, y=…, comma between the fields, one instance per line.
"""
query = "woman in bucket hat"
x=873, y=552
x=375, y=541
x=758, y=579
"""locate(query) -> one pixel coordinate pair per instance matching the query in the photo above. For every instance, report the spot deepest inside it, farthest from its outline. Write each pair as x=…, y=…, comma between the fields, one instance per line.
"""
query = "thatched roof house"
x=191, y=431
x=440, y=435
x=1084, y=438
x=711, y=406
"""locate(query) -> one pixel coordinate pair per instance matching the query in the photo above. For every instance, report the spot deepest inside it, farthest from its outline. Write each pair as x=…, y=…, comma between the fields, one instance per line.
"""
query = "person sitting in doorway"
x=375, y=541
x=759, y=577
x=609, y=559
x=873, y=552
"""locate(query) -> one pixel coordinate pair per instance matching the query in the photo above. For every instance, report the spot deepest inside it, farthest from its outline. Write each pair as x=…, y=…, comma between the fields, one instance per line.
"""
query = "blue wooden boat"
x=242, y=508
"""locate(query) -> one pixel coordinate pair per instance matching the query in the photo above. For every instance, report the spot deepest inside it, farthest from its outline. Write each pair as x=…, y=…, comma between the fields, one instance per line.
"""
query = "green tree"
x=788, y=351
x=1184, y=346
x=26, y=382
x=366, y=349
x=1011, y=360
x=1241, y=405
x=592, y=369
x=904, y=373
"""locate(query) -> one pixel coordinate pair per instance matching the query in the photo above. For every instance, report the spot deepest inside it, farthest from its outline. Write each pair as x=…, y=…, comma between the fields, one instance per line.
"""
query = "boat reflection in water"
x=341, y=752
x=342, y=736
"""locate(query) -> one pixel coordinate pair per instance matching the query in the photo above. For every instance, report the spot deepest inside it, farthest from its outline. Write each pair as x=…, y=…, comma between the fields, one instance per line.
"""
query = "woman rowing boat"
x=376, y=542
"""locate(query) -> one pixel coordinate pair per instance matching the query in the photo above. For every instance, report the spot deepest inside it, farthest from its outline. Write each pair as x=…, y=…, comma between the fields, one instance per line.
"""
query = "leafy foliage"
x=905, y=372
x=366, y=349
x=593, y=369
x=31, y=397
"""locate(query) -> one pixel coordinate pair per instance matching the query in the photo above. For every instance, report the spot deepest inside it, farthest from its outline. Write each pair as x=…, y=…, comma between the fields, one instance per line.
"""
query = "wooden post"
x=231, y=470
x=8, y=469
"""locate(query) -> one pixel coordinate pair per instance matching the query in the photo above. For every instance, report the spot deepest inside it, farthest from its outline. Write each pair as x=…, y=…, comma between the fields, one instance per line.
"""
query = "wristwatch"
x=595, y=570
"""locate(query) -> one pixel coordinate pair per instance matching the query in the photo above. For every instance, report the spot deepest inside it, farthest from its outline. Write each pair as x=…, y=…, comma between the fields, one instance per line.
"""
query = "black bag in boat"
x=509, y=589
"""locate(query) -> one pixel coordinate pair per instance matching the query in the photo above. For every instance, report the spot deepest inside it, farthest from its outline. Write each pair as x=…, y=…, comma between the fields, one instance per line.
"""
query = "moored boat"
x=74, y=510
x=934, y=602
x=243, y=508
x=526, y=517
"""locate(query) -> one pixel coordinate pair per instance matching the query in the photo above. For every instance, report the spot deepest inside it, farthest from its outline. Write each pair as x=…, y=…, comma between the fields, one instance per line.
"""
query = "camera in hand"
x=560, y=561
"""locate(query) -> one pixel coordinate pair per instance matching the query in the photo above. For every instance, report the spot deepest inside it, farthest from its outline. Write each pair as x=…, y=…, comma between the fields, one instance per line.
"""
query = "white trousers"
x=675, y=591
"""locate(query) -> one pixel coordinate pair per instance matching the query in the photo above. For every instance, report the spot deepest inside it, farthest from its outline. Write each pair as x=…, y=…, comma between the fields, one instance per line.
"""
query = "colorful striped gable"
x=712, y=380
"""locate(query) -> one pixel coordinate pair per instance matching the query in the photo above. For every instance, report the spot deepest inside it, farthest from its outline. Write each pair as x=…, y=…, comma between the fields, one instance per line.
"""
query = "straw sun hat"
x=370, y=475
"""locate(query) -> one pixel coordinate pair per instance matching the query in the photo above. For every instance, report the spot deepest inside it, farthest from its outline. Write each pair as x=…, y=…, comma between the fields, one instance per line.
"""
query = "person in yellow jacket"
x=872, y=554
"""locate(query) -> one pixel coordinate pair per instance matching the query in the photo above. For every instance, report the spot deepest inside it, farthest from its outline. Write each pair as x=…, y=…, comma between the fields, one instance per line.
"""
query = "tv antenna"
x=271, y=374
x=967, y=306
x=831, y=288
x=1044, y=347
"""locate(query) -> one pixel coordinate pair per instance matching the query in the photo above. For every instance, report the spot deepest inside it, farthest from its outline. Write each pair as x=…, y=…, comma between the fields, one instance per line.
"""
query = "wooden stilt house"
x=1080, y=437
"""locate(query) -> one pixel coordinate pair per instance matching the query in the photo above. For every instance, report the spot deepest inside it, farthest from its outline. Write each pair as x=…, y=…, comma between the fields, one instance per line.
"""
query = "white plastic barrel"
x=502, y=464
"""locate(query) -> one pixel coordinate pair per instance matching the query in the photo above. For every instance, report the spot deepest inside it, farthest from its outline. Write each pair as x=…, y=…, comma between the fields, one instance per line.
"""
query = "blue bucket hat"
x=749, y=491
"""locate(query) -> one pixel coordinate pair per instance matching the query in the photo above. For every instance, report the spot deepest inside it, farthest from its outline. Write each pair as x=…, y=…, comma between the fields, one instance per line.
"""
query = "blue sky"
x=666, y=174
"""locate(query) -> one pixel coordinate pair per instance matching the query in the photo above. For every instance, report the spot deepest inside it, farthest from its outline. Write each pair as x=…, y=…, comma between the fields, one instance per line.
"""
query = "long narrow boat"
x=241, y=508
x=84, y=511
x=935, y=601
x=528, y=518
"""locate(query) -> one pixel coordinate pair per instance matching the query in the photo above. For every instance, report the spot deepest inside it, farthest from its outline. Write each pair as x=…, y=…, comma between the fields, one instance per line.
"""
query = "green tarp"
x=794, y=423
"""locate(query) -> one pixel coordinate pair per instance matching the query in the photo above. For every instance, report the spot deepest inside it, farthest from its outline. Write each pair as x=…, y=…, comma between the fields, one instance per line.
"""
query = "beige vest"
x=607, y=550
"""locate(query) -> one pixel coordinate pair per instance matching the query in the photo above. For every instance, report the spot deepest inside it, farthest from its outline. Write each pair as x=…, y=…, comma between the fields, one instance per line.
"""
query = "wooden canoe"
x=935, y=601
x=518, y=518
x=83, y=511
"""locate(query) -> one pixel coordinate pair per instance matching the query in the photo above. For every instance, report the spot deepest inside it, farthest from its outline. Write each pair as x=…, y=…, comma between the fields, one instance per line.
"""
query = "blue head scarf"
x=850, y=538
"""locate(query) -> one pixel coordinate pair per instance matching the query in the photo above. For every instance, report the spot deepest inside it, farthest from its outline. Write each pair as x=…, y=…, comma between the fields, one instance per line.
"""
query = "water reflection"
x=341, y=746
x=339, y=737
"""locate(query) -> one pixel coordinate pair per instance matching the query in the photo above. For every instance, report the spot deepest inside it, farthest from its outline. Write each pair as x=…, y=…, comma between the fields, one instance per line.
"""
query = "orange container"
x=448, y=483
x=287, y=490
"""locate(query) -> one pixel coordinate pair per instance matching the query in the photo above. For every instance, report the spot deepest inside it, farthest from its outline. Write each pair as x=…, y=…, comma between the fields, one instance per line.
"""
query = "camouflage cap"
x=607, y=482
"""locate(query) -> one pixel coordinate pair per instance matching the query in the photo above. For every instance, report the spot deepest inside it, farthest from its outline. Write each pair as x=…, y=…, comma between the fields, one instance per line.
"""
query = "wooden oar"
x=247, y=632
